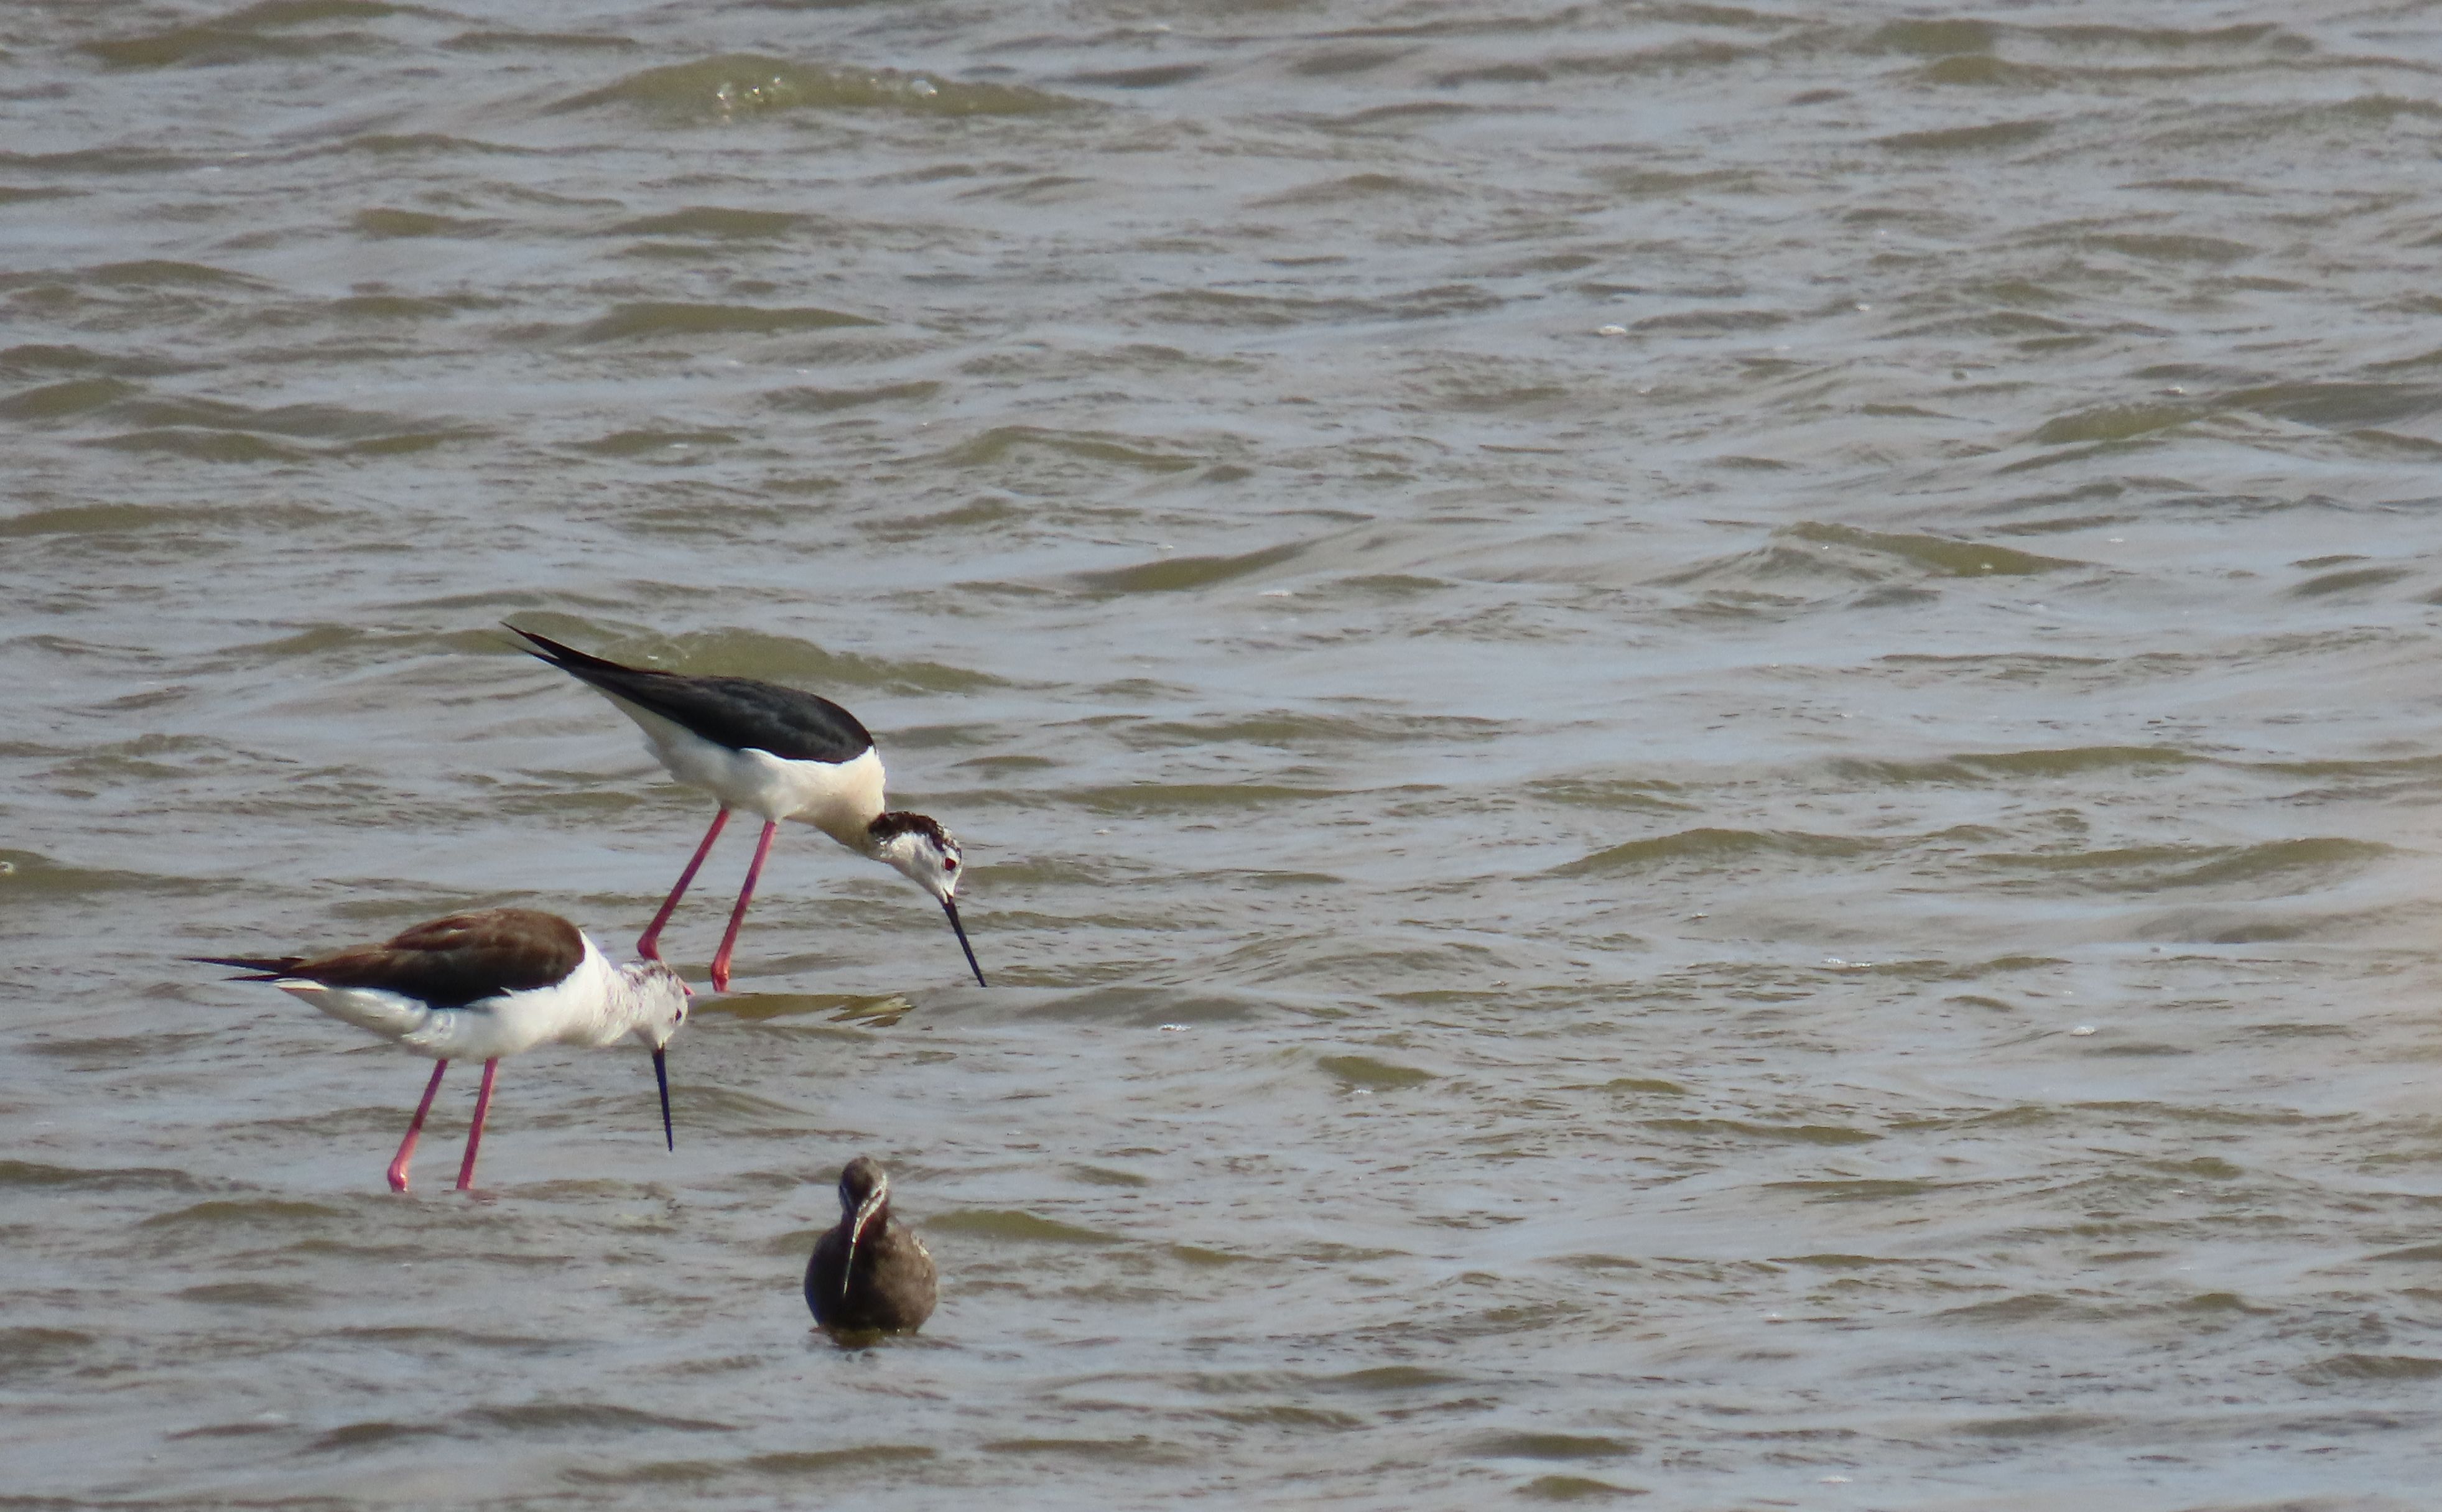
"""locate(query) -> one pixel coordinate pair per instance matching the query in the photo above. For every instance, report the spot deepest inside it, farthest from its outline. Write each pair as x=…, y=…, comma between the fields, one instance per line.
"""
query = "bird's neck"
x=626, y=1005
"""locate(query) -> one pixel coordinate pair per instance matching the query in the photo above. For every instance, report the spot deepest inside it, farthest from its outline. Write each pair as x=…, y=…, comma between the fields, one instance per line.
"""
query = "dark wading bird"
x=482, y=986
x=776, y=752
x=870, y=1272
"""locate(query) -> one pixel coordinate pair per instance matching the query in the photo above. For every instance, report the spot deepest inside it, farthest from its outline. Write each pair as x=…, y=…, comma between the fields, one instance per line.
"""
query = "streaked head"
x=927, y=855
x=865, y=1203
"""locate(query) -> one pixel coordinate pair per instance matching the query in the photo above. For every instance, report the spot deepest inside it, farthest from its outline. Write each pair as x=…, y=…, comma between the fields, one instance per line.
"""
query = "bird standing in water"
x=776, y=752
x=870, y=1272
x=480, y=986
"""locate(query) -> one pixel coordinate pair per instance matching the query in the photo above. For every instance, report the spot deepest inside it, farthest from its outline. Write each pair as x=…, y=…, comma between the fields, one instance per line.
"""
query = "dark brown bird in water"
x=870, y=1272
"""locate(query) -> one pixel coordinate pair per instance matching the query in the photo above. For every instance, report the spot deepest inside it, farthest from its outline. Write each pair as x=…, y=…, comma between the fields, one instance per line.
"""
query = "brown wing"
x=461, y=959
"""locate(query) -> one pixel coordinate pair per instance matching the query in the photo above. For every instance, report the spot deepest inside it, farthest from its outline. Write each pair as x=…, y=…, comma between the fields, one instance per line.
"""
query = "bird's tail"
x=259, y=968
x=567, y=658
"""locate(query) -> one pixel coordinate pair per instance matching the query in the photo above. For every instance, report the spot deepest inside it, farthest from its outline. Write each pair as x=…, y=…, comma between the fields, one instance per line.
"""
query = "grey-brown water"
x=1700, y=747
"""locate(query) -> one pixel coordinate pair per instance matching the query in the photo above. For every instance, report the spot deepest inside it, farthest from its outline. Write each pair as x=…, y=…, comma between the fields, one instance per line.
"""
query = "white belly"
x=839, y=800
x=570, y=1011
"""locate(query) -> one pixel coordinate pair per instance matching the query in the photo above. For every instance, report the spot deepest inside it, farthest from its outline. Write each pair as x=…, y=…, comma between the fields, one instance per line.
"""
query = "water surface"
x=1698, y=747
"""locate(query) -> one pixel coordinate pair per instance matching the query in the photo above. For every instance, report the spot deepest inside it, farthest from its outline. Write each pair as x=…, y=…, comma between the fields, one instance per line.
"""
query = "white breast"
x=839, y=799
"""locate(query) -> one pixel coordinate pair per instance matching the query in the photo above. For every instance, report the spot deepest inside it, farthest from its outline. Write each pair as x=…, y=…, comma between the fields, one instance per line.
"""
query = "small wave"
x=716, y=223
x=1823, y=1134
x=1015, y=1225
x=2341, y=1369
x=1001, y=443
x=242, y=1214
x=1189, y=797
x=1141, y=1449
x=585, y=1417
x=1937, y=553
x=2337, y=406
x=303, y=422
x=25, y=1351
x=1530, y=1446
x=204, y=446
x=540, y=42
x=1177, y=573
x=641, y=443
x=1296, y=729
x=1985, y=766
x=826, y=1465
x=1158, y=76
x=31, y=875
x=1981, y=70
x=33, y=1174
x=2350, y=581
x=1998, y=137
x=31, y=360
x=1365, y=1071
x=396, y=225
x=429, y=144
x=1340, y=191
x=2273, y=868
x=1711, y=847
x=242, y=37
x=145, y=273
x=64, y=400
x=1145, y=1007
x=733, y=85
x=2118, y=422
x=665, y=319
x=826, y=401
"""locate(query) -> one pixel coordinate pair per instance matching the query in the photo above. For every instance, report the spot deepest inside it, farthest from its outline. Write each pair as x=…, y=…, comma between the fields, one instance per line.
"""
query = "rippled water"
x=1699, y=747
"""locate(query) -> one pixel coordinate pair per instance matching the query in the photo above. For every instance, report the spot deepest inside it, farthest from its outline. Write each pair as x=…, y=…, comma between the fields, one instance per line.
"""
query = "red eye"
x=949, y=862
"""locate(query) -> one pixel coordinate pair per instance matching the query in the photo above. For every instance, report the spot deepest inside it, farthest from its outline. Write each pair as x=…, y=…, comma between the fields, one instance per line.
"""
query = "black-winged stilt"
x=483, y=985
x=776, y=753
x=870, y=1272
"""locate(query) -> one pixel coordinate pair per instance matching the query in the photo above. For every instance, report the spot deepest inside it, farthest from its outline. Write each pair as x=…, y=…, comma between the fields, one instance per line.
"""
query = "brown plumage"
x=443, y=963
x=869, y=1273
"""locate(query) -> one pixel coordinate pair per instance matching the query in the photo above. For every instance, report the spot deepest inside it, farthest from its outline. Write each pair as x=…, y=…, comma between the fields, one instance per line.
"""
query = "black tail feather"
x=567, y=658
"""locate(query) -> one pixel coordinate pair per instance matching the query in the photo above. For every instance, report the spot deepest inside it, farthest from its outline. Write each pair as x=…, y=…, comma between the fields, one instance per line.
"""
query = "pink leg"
x=406, y=1146
x=738, y=915
x=644, y=944
x=475, y=1134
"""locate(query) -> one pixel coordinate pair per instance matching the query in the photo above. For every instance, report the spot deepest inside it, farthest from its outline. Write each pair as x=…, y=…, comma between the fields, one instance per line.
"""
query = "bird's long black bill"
x=950, y=906
x=662, y=1075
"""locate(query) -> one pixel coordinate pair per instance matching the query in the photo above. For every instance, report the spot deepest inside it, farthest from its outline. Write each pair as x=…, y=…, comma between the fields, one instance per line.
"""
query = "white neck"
x=608, y=1002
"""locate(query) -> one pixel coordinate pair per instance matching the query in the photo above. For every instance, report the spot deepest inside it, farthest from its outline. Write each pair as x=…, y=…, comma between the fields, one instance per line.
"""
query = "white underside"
x=839, y=799
x=574, y=1011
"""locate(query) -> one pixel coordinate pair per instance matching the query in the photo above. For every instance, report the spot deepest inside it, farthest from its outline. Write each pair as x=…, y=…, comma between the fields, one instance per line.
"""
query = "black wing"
x=445, y=962
x=738, y=712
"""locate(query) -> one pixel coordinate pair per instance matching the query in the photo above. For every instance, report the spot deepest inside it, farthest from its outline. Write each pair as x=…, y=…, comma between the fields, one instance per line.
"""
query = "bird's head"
x=865, y=1203
x=662, y=999
x=927, y=855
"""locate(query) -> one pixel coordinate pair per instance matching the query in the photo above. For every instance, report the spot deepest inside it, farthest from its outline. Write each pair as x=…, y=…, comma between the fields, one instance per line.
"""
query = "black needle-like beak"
x=662, y=1074
x=950, y=906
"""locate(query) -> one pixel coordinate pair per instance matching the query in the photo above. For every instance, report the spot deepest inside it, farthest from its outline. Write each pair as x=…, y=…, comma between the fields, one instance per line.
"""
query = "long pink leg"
x=646, y=943
x=738, y=915
x=406, y=1146
x=475, y=1134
